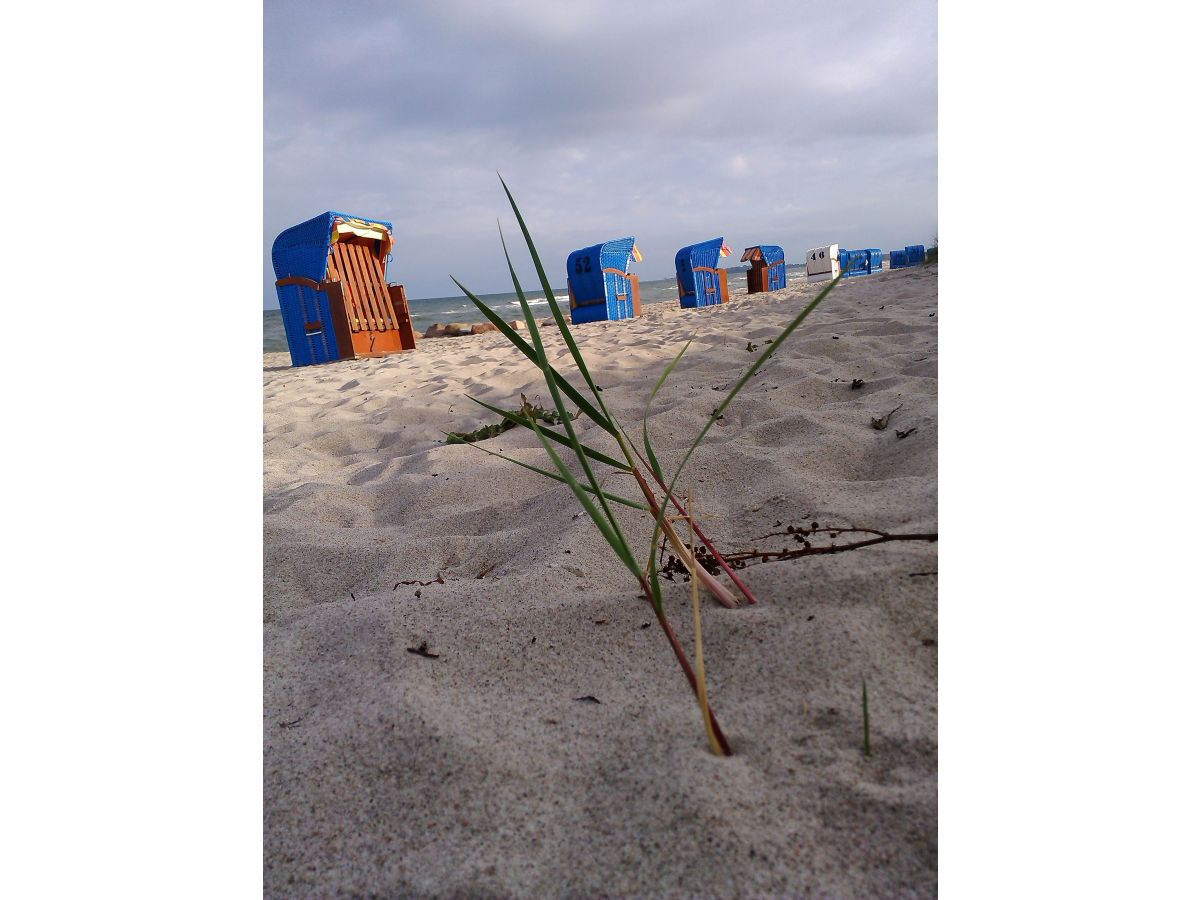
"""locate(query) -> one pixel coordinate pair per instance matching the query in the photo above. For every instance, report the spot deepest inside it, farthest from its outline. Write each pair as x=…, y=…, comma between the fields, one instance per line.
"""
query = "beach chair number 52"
x=583, y=264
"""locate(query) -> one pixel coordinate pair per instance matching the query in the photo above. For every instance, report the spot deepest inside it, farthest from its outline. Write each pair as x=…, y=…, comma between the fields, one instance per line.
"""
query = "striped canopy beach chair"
x=599, y=282
x=333, y=291
x=699, y=280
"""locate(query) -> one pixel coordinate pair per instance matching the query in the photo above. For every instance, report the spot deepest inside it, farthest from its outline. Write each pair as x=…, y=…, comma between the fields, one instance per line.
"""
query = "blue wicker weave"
x=600, y=290
x=898, y=259
x=858, y=262
x=701, y=288
x=303, y=251
x=776, y=266
x=915, y=254
x=862, y=262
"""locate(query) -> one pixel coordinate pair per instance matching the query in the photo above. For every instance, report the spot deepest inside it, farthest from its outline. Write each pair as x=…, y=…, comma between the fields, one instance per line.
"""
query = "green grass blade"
x=632, y=504
x=549, y=292
x=646, y=412
x=650, y=452
x=614, y=538
x=568, y=427
x=553, y=435
x=667, y=371
x=523, y=345
x=655, y=585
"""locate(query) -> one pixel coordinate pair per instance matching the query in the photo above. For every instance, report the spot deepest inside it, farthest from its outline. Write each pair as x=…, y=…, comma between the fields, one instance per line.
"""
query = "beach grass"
x=587, y=490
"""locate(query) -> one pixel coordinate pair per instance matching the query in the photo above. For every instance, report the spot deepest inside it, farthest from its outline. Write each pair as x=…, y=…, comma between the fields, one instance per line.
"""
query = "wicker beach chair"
x=862, y=262
x=333, y=291
x=823, y=263
x=600, y=285
x=768, y=271
x=912, y=255
x=699, y=280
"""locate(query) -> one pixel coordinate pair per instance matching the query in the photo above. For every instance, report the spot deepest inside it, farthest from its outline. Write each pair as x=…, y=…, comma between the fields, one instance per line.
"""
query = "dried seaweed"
x=526, y=409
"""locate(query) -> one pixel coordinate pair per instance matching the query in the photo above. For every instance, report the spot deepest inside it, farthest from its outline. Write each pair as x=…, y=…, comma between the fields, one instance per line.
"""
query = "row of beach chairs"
x=336, y=301
x=602, y=288
x=824, y=263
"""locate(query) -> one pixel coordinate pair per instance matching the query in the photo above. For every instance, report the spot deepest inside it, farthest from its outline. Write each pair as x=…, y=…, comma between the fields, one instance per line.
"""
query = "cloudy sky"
x=789, y=123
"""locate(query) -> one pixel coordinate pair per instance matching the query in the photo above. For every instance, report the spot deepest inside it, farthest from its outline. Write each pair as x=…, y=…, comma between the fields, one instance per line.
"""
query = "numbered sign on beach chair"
x=599, y=282
x=823, y=263
x=333, y=291
x=700, y=281
x=768, y=271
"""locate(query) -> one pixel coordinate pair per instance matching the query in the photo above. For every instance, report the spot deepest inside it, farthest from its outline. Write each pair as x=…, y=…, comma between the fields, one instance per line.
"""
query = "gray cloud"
x=787, y=123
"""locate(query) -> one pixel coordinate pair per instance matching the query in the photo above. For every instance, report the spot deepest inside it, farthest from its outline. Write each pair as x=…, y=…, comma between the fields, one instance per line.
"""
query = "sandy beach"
x=481, y=772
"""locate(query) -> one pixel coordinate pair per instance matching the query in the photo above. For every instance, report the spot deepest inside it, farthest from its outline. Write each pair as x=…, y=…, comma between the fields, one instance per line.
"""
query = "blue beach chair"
x=768, y=271
x=599, y=282
x=699, y=280
x=915, y=254
x=862, y=262
x=858, y=262
x=333, y=292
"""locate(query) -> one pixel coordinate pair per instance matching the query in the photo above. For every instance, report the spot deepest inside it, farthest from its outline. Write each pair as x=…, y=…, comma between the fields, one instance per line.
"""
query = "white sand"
x=478, y=773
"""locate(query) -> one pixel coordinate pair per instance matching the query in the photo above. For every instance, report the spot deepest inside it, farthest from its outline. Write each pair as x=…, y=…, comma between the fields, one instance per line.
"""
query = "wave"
x=516, y=304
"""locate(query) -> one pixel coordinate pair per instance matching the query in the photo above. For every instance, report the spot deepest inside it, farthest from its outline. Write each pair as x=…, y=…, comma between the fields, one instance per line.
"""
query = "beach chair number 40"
x=583, y=264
